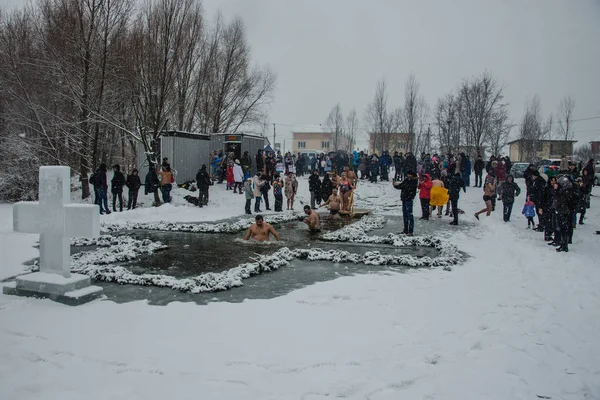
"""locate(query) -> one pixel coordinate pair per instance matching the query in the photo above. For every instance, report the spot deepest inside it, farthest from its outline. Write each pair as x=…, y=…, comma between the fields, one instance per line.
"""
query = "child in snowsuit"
x=529, y=212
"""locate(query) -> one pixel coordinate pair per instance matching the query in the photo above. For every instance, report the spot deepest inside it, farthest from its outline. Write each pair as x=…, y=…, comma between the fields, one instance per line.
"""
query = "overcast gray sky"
x=325, y=51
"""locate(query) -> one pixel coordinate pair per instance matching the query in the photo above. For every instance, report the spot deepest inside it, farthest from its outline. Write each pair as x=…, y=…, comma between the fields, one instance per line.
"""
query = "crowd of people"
x=559, y=203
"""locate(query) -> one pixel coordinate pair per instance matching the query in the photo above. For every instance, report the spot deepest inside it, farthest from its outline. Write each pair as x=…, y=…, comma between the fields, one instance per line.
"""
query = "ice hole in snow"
x=125, y=259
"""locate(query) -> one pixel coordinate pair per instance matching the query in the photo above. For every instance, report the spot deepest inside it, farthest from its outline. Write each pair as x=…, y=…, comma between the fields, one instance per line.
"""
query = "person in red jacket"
x=424, y=195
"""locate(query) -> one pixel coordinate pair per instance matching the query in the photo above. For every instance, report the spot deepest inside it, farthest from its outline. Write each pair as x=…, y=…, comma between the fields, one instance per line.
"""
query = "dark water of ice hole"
x=191, y=254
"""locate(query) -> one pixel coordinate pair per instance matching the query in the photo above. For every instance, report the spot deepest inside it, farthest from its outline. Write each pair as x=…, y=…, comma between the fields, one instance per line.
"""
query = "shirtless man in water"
x=312, y=219
x=335, y=203
x=261, y=230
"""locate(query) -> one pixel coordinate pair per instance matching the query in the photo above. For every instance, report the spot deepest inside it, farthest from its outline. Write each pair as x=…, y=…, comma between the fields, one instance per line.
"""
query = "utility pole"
x=273, y=136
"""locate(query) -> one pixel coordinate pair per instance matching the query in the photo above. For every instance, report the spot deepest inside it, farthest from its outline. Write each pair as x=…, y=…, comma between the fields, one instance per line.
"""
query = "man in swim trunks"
x=335, y=203
x=260, y=230
x=312, y=219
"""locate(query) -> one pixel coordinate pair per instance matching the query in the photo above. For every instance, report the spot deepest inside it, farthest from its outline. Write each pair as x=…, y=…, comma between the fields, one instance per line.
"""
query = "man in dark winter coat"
x=507, y=192
x=563, y=208
x=398, y=161
x=101, y=185
x=536, y=194
x=151, y=185
x=133, y=184
x=410, y=163
x=528, y=176
x=203, y=182
x=314, y=187
x=409, y=190
x=456, y=184
x=246, y=163
x=385, y=161
x=116, y=187
x=260, y=162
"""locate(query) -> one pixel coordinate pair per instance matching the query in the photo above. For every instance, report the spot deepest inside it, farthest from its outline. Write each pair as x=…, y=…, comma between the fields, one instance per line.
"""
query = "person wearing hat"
x=203, y=182
x=238, y=177
x=409, y=190
x=116, y=187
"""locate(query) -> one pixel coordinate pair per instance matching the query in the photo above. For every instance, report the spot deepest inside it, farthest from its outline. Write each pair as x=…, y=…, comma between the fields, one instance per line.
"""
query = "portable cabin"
x=238, y=143
x=186, y=152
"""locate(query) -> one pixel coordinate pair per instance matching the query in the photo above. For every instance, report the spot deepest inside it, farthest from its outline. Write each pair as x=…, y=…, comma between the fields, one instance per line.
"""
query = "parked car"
x=550, y=167
x=518, y=169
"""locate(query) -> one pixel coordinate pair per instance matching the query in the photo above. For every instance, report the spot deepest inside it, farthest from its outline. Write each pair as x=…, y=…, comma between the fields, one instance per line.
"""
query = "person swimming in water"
x=261, y=230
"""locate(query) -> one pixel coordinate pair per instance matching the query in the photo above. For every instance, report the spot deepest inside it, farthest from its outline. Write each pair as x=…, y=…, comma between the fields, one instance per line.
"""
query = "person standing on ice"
x=409, y=190
x=508, y=192
x=563, y=208
x=133, y=184
x=456, y=184
x=116, y=187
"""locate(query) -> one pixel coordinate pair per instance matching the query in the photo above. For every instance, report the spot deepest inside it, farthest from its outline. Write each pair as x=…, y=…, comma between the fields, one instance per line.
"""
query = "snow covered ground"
x=515, y=321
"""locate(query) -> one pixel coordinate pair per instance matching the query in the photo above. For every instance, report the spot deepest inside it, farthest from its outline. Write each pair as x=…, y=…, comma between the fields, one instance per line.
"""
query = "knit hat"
x=237, y=161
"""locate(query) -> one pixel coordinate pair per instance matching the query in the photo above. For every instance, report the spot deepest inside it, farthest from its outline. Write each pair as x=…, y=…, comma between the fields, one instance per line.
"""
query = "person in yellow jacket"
x=438, y=196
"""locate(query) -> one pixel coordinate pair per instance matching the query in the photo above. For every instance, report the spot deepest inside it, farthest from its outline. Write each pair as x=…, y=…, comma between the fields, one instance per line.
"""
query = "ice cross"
x=56, y=220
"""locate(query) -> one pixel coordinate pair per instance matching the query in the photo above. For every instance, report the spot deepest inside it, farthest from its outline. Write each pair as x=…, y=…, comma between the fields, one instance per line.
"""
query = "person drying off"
x=261, y=231
x=312, y=219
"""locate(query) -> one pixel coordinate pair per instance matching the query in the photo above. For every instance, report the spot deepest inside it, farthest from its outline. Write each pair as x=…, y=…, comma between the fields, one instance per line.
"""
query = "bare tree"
x=531, y=131
x=445, y=118
x=380, y=122
x=499, y=131
x=565, y=118
x=584, y=153
x=352, y=126
x=480, y=99
x=412, y=110
x=335, y=125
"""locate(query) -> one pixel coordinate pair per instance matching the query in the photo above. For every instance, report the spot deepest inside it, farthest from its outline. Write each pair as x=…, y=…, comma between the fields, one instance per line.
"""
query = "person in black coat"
x=508, y=191
x=456, y=184
x=547, y=205
x=101, y=186
x=410, y=163
x=409, y=190
x=246, y=163
x=151, y=184
x=203, y=182
x=326, y=186
x=116, y=187
x=133, y=184
x=478, y=169
x=528, y=176
x=536, y=194
x=564, y=205
x=260, y=162
x=314, y=187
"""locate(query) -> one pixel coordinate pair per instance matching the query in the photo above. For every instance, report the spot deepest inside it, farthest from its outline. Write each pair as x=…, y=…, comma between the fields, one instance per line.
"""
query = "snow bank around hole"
x=221, y=227
x=99, y=263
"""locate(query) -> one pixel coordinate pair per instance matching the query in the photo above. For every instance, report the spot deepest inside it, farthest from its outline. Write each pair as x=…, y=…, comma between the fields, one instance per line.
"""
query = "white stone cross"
x=56, y=220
